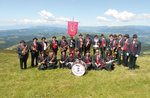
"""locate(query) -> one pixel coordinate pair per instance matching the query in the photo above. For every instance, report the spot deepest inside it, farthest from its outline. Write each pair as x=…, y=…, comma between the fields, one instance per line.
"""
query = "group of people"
x=106, y=51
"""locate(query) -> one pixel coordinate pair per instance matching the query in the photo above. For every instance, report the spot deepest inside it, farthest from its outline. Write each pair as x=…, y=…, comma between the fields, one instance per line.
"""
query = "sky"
x=86, y=12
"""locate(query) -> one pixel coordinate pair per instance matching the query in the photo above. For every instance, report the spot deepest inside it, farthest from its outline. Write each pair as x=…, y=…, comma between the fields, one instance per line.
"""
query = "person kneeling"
x=70, y=60
x=88, y=60
x=42, y=62
x=51, y=60
x=109, y=61
x=63, y=59
x=98, y=63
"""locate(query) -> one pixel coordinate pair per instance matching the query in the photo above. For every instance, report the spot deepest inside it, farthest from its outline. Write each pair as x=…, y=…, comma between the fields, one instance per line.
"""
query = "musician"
x=80, y=44
x=43, y=44
x=103, y=45
x=23, y=54
x=54, y=45
x=87, y=43
x=109, y=60
x=110, y=42
x=78, y=55
x=115, y=46
x=88, y=60
x=135, y=48
x=51, y=60
x=70, y=60
x=63, y=60
x=96, y=43
x=72, y=45
x=42, y=65
x=98, y=63
x=34, y=48
x=63, y=44
x=119, y=51
x=126, y=50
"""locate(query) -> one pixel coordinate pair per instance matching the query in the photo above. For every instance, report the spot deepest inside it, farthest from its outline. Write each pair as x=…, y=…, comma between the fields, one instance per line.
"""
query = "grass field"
x=59, y=83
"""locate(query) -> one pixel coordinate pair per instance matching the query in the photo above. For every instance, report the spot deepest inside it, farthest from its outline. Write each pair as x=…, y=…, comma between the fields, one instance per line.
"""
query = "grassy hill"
x=59, y=83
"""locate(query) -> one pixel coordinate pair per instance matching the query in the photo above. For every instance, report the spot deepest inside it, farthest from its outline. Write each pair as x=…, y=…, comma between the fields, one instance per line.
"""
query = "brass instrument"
x=48, y=47
x=41, y=63
x=33, y=48
x=25, y=50
x=64, y=48
x=52, y=59
x=114, y=53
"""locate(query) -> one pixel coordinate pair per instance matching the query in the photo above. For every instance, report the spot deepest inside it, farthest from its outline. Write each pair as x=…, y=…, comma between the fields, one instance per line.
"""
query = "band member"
x=23, y=52
x=63, y=60
x=103, y=45
x=70, y=60
x=88, y=60
x=109, y=60
x=34, y=48
x=126, y=50
x=78, y=55
x=51, y=60
x=96, y=43
x=98, y=62
x=80, y=44
x=42, y=65
x=43, y=44
x=110, y=42
x=63, y=44
x=115, y=46
x=72, y=46
x=54, y=45
x=119, y=51
x=87, y=43
x=135, y=48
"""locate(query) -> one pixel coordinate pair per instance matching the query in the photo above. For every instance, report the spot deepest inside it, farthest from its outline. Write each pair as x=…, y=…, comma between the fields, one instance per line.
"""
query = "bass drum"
x=79, y=68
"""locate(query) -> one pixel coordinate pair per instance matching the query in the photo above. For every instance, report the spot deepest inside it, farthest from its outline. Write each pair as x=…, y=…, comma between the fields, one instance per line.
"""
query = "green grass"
x=59, y=83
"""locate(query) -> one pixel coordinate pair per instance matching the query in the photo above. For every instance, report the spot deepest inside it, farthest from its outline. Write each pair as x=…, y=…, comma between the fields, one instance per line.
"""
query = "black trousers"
x=23, y=61
x=55, y=51
x=86, y=49
x=103, y=51
x=97, y=68
x=132, y=61
x=63, y=65
x=119, y=57
x=125, y=59
x=109, y=66
x=80, y=50
x=34, y=55
x=52, y=66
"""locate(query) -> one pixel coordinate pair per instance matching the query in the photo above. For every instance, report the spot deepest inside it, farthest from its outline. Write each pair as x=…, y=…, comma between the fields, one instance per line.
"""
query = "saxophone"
x=52, y=59
x=25, y=49
x=48, y=47
x=41, y=63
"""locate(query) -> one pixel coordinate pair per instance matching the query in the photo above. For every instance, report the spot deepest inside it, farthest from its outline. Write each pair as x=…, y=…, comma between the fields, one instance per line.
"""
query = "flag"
x=72, y=28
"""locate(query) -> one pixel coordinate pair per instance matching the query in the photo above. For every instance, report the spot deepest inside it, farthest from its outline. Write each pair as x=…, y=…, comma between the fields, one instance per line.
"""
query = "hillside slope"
x=61, y=84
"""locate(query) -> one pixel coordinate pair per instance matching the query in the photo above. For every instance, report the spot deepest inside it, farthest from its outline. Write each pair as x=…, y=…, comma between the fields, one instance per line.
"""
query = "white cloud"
x=46, y=18
x=102, y=19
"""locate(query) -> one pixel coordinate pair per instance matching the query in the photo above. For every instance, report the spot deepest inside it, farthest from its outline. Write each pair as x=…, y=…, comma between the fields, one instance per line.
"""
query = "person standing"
x=115, y=46
x=43, y=44
x=103, y=45
x=72, y=45
x=23, y=52
x=126, y=50
x=135, y=48
x=96, y=44
x=34, y=48
x=80, y=43
x=87, y=43
x=54, y=45
x=110, y=42
x=63, y=44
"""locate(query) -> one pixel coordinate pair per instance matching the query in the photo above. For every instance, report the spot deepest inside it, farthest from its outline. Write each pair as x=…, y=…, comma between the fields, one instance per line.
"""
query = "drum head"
x=78, y=69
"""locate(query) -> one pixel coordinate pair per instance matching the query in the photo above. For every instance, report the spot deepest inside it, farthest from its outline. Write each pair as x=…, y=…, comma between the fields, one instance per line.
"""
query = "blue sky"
x=87, y=12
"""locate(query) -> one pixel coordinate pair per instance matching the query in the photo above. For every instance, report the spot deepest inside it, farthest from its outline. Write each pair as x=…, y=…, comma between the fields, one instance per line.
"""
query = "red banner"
x=72, y=28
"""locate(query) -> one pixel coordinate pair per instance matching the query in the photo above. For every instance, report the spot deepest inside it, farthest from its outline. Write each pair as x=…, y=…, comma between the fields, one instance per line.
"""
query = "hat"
x=54, y=37
x=63, y=37
x=43, y=38
x=87, y=35
x=102, y=35
x=126, y=35
x=120, y=35
x=80, y=34
x=95, y=36
x=115, y=36
x=134, y=36
x=22, y=41
x=110, y=35
x=35, y=38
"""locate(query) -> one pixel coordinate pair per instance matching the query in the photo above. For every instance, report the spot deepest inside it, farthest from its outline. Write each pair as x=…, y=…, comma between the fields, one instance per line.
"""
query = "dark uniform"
x=88, y=61
x=110, y=42
x=96, y=43
x=103, y=43
x=87, y=44
x=72, y=46
x=80, y=44
x=63, y=45
x=98, y=63
x=119, y=50
x=44, y=65
x=70, y=61
x=54, y=45
x=53, y=63
x=64, y=59
x=126, y=50
x=109, y=66
x=115, y=46
x=135, y=48
x=22, y=57
x=78, y=56
x=34, y=53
